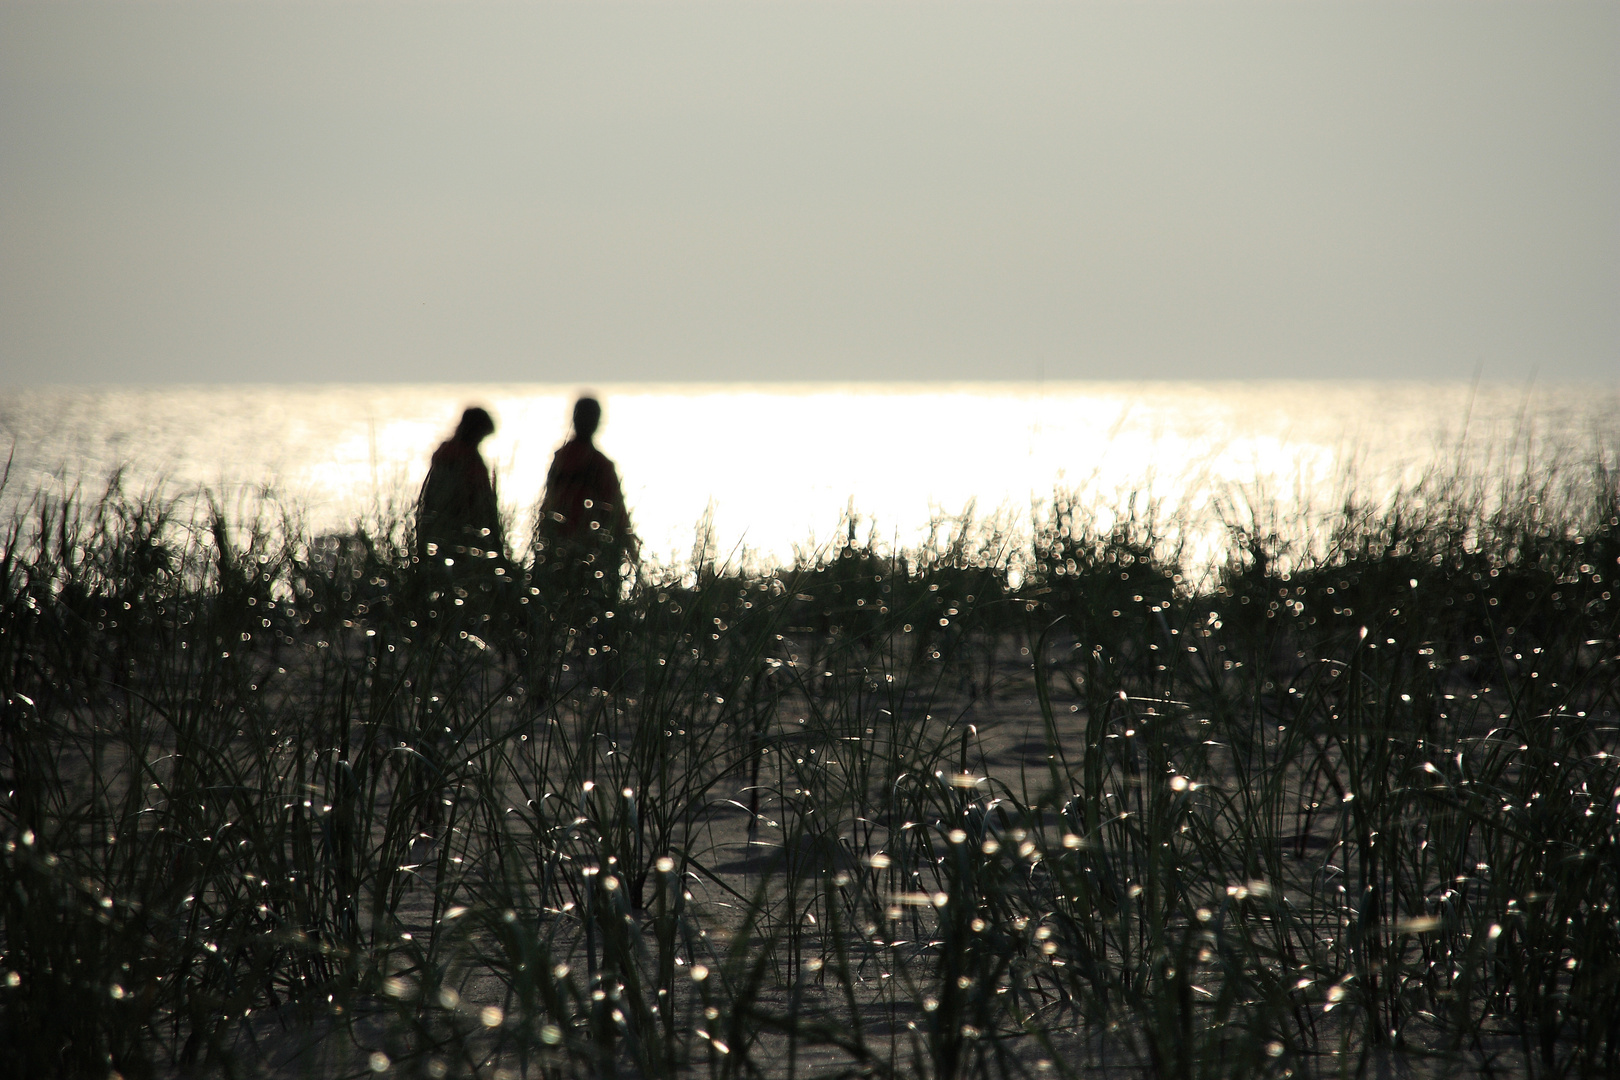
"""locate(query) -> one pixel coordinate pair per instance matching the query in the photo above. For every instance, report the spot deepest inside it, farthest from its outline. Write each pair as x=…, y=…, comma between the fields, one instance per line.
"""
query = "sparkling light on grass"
x=1404, y=807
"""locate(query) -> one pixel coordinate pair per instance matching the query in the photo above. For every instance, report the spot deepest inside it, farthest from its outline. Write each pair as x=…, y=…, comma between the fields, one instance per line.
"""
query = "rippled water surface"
x=777, y=465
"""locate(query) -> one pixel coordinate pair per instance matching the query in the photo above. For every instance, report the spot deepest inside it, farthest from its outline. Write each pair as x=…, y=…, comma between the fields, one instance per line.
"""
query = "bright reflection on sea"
x=775, y=466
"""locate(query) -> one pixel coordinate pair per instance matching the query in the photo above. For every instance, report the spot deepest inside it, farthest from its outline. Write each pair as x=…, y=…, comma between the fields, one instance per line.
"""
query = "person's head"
x=587, y=416
x=475, y=425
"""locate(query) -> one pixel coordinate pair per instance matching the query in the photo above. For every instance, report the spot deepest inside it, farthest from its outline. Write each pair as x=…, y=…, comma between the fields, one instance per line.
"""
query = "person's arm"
x=548, y=494
x=432, y=502
x=627, y=536
x=486, y=510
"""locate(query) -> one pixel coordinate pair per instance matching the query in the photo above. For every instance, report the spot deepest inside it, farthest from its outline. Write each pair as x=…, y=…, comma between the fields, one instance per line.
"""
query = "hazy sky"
x=600, y=192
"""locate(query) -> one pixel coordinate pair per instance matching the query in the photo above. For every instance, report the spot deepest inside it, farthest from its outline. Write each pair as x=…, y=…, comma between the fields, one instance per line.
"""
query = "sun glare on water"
x=773, y=469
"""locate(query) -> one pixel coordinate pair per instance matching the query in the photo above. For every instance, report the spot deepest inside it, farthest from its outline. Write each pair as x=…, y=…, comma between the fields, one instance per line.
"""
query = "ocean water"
x=772, y=469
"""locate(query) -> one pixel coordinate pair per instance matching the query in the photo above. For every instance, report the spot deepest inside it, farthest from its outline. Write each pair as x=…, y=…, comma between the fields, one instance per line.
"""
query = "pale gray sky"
x=599, y=192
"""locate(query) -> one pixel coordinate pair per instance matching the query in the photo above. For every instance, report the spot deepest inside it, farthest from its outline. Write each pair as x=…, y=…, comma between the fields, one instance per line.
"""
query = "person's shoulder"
x=591, y=454
x=582, y=454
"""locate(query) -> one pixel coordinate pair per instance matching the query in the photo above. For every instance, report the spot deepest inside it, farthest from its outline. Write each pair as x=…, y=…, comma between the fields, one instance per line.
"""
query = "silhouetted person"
x=582, y=486
x=456, y=515
x=583, y=532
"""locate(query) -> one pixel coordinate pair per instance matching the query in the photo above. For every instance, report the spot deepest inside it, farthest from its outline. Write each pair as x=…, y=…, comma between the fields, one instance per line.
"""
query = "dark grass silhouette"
x=278, y=805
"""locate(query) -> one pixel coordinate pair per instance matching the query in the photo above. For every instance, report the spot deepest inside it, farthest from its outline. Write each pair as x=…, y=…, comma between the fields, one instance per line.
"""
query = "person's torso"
x=582, y=487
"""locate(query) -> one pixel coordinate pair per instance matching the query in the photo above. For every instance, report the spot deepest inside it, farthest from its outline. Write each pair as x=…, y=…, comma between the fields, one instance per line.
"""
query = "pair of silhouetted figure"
x=582, y=531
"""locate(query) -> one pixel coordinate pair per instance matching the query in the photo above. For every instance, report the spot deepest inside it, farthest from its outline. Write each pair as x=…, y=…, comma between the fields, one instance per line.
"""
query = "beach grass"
x=1344, y=801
